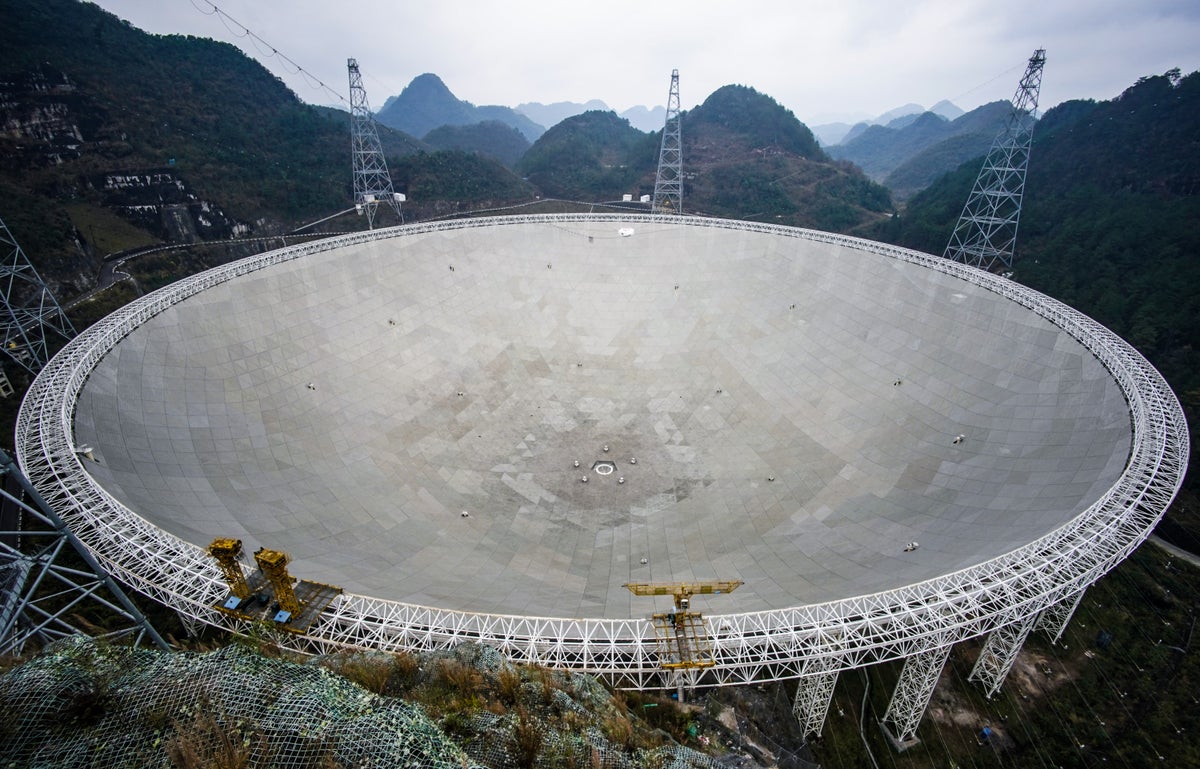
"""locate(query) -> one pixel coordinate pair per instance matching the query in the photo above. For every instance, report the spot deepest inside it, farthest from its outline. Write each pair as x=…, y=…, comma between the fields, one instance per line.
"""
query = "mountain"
x=913, y=150
x=646, y=118
x=947, y=110
x=592, y=156
x=1108, y=223
x=830, y=134
x=553, y=114
x=426, y=103
x=744, y=156
x=491, y=137
x=115, y=139
x=641, y=118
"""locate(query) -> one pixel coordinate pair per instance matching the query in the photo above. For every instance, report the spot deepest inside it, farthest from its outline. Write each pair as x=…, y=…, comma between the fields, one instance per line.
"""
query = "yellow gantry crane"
x=682, y=637
x=274, y=567
x=271, y=592
x=228, y=555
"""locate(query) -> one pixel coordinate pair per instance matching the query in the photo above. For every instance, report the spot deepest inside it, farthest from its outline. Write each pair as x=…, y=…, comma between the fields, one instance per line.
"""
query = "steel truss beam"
x=918, y=679
x=814, y=692
x=756, y=646
x=998, y=654
x=986, y=233
x=32, y=318
x=668, y=184
x=43, y=592
x=372, y=183
x=1054, y=618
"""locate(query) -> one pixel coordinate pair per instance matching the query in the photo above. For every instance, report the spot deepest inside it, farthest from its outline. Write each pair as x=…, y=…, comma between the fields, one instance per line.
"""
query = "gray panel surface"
x=347, y=407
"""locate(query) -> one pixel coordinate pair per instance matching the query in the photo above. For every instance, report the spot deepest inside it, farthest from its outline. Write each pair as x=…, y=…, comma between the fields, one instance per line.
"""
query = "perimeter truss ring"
x=754, y=646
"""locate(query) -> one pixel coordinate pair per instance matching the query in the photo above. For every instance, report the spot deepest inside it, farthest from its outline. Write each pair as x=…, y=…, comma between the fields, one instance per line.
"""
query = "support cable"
x=259, y=44
x=1018, y=711
x=1087, y=703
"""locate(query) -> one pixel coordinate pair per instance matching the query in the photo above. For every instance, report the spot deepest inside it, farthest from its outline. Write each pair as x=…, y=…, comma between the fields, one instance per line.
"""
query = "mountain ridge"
x=427, y=103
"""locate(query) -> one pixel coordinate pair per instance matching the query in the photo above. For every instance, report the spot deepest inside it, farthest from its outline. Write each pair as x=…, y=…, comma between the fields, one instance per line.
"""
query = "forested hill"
x=744, y=157
x=1111, y=220
x=115, y=138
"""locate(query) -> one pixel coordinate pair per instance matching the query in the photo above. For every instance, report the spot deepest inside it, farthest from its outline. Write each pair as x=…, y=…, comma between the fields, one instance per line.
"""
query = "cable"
x=987, y=82
x=262, y=46
x=862, y=717
x=1018, y=712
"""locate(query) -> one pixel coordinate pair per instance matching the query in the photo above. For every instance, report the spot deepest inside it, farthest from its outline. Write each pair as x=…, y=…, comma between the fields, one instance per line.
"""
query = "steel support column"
x=999, y=653
x=372, y=183
x=668, y=184
x=986, y=233
x=42, y=588
x=913, y=692
x=1053, y=619
x=814, y=692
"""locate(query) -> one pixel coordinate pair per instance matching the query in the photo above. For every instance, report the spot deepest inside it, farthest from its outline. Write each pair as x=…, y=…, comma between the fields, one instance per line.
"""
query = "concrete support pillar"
x=999, y=653
x=913, y=692
x=1053, y=620
x=814, y=693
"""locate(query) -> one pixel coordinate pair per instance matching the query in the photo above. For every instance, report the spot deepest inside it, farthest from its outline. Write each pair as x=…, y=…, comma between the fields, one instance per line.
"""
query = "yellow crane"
x=681, y=636
x=274, y=567
x=270, y=593
x=228, y=554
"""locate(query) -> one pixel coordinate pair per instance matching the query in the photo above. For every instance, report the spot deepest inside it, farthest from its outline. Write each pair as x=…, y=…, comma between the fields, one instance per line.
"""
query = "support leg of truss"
x=999, y=652
x=814, y=693
x=1053, y=619
x=913, y=692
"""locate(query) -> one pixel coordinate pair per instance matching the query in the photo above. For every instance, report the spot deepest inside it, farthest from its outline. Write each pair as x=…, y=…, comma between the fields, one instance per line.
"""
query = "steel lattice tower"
x=47, y=575
x=668, y=185
x=986, y=232
x=372, y=185
x=32, y=316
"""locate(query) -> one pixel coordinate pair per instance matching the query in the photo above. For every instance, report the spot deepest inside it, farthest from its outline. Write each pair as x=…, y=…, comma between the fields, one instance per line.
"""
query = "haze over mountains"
x=427, y=103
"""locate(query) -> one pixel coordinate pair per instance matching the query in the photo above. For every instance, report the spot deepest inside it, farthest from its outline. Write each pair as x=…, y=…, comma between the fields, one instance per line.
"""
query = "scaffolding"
x=271, y=593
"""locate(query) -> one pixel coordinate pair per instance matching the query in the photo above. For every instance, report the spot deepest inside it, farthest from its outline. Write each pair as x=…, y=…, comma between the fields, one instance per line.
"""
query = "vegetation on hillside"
x=910, y=152
x=491, y=138
x=748, y=157
x=593, y=156
x=1109, y=227
x=757, y=119
x=448, y=181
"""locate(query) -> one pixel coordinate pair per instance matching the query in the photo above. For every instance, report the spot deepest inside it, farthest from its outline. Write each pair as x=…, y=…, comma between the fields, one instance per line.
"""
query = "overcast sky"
x=835, y=60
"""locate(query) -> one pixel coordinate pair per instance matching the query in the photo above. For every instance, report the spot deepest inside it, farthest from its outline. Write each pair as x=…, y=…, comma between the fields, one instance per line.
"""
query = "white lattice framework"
x=753, y=646
x=1053, y=621
x=998, y=654
x=668, y=183
x=918, y=679
x=814, y=691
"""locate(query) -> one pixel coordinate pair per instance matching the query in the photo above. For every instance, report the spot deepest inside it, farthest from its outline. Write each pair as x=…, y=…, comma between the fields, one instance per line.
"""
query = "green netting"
x=87, y=704
x=81, y=704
